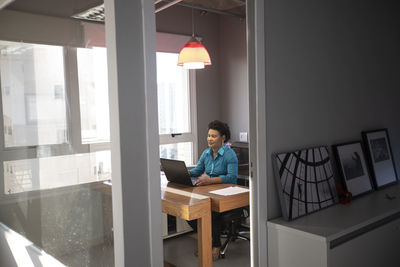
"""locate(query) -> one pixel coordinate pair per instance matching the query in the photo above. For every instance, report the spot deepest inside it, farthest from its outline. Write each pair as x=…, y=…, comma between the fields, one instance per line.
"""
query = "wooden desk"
x=185, y=205
x=218, y=203
x=190, y=203
x=223, y=203
x=191, y=206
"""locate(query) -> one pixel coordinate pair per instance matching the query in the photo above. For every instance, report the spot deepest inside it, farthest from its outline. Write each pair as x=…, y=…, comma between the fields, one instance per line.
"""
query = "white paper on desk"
x=232, y=190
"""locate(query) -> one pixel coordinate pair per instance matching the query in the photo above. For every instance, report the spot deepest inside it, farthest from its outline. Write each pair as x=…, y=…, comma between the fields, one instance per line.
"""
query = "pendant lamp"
x=193, y=54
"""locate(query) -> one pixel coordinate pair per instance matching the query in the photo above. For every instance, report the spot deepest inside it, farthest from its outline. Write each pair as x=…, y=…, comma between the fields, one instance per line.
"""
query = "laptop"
x=176, y=172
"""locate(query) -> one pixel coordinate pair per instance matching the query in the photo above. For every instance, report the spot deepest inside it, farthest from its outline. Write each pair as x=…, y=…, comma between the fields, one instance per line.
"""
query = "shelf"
x=364, y=232
x=339, y=220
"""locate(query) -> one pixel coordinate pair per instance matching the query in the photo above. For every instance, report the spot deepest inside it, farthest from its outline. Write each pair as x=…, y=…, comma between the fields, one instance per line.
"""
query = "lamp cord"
x=192, y=24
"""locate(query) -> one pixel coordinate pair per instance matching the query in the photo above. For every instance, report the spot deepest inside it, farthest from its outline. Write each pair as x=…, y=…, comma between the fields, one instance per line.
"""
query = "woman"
x=220, y=165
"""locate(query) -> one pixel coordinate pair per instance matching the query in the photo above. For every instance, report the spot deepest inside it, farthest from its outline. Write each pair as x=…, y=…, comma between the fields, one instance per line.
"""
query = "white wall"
x=233, y=74
x=332, y=71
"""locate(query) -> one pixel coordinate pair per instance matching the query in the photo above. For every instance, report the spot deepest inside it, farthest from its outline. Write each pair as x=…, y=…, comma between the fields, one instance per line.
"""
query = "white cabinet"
x=379, y=247
x=364, y=233
x=177, y=227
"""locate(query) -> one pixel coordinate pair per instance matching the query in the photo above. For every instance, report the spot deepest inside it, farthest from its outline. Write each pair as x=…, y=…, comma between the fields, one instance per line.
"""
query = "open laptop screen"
x=176, y=171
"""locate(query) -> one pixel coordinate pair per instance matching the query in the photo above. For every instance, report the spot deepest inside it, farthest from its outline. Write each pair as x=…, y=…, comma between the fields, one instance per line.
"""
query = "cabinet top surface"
x=339, y=219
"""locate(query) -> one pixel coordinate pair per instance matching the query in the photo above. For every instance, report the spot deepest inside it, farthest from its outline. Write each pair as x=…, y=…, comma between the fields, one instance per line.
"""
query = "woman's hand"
x=203, y=180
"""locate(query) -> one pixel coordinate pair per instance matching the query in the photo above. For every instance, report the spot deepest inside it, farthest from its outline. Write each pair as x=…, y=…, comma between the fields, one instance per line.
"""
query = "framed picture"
x=380, y=157
x=353, y=167
x=305, y=181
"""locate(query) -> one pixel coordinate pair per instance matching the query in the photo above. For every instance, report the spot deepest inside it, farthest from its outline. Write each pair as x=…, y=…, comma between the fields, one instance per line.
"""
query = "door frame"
x=131, y=45
x=257, y=131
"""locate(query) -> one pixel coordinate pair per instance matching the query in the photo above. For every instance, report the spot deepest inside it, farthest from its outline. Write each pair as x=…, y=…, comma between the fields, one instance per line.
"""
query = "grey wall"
x=41, y=29
x=332, y=70
x=233, y=74
x=177, y=20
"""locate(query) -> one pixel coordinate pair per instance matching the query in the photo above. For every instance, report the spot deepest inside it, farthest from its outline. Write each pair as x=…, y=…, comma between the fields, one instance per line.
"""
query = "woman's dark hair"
x=221, y=127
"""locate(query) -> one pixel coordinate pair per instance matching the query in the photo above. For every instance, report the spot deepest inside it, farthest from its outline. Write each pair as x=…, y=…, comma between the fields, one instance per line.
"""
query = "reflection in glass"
x=93, y=94
x=179, y=151
x=23, y=251
x=54, y=196
x=32, y=85
x=54, y=172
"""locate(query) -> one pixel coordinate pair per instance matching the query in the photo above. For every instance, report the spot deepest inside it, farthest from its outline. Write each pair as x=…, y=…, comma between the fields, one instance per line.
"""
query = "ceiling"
x=225, y=7
x=71, y=8
x=57, y=8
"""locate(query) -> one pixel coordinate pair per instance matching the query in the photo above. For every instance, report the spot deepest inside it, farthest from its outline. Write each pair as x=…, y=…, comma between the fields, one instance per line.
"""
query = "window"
x=41, y=129
x=32, y=84
x=54, y=172
x=93, y=95
x=176, y=109
x=182, y=151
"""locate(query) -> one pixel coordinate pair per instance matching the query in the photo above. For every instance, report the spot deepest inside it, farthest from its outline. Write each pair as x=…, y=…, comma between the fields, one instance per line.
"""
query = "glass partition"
x=55, y=183
x=93, y=94
x=56, y=172
x=32, y=85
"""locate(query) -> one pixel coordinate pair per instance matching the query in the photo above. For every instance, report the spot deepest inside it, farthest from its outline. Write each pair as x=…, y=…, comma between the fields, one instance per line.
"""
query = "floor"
x=179, y=251
x=96, y=256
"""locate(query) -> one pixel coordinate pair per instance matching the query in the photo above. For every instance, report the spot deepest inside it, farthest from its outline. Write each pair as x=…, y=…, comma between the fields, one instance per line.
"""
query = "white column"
x=131, y=44
x=258, y=139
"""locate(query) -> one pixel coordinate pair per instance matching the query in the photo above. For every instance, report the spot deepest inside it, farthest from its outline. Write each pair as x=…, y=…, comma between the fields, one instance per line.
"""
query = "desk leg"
x=204, y=240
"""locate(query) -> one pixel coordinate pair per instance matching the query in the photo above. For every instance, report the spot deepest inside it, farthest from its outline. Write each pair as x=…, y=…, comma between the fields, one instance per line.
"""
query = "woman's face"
x=215, y=140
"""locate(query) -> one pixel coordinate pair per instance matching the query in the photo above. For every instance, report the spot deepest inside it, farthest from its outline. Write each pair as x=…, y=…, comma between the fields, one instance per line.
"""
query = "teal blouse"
x=225, y=165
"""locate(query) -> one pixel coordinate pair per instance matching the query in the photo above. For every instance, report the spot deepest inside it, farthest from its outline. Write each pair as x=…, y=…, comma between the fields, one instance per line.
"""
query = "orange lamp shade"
x=193, y=55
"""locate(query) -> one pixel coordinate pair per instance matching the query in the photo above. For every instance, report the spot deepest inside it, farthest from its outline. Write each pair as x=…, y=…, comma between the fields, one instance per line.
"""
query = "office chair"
x=233, y=221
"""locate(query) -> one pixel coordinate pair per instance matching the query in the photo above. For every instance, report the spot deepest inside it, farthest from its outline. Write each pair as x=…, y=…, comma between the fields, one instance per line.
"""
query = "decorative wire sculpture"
x=305, y=181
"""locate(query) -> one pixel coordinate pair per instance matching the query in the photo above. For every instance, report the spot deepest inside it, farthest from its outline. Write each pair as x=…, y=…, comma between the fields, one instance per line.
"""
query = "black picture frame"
x=380, y=157
x=353, y=167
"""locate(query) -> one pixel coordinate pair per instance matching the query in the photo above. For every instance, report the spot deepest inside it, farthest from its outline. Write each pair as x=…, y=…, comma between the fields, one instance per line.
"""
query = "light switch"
x=243, y=136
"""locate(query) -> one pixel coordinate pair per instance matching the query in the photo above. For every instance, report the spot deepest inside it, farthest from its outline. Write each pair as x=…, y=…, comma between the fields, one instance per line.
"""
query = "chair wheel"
x=222, y=256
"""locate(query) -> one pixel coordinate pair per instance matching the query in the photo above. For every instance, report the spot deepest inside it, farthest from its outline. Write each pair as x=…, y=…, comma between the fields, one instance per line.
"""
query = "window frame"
x=73, y=117
x=74, y=143
x=28, y=148
x=94, y=146
x=191, y=136
x=74, y=107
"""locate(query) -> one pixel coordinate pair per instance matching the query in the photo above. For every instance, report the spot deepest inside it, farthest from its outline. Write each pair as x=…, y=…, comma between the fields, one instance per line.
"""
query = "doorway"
x=256, y=128
x=142, y=31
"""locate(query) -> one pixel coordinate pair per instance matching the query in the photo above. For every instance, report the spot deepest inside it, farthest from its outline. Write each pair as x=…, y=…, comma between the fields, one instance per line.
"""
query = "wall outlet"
x=243, y=136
